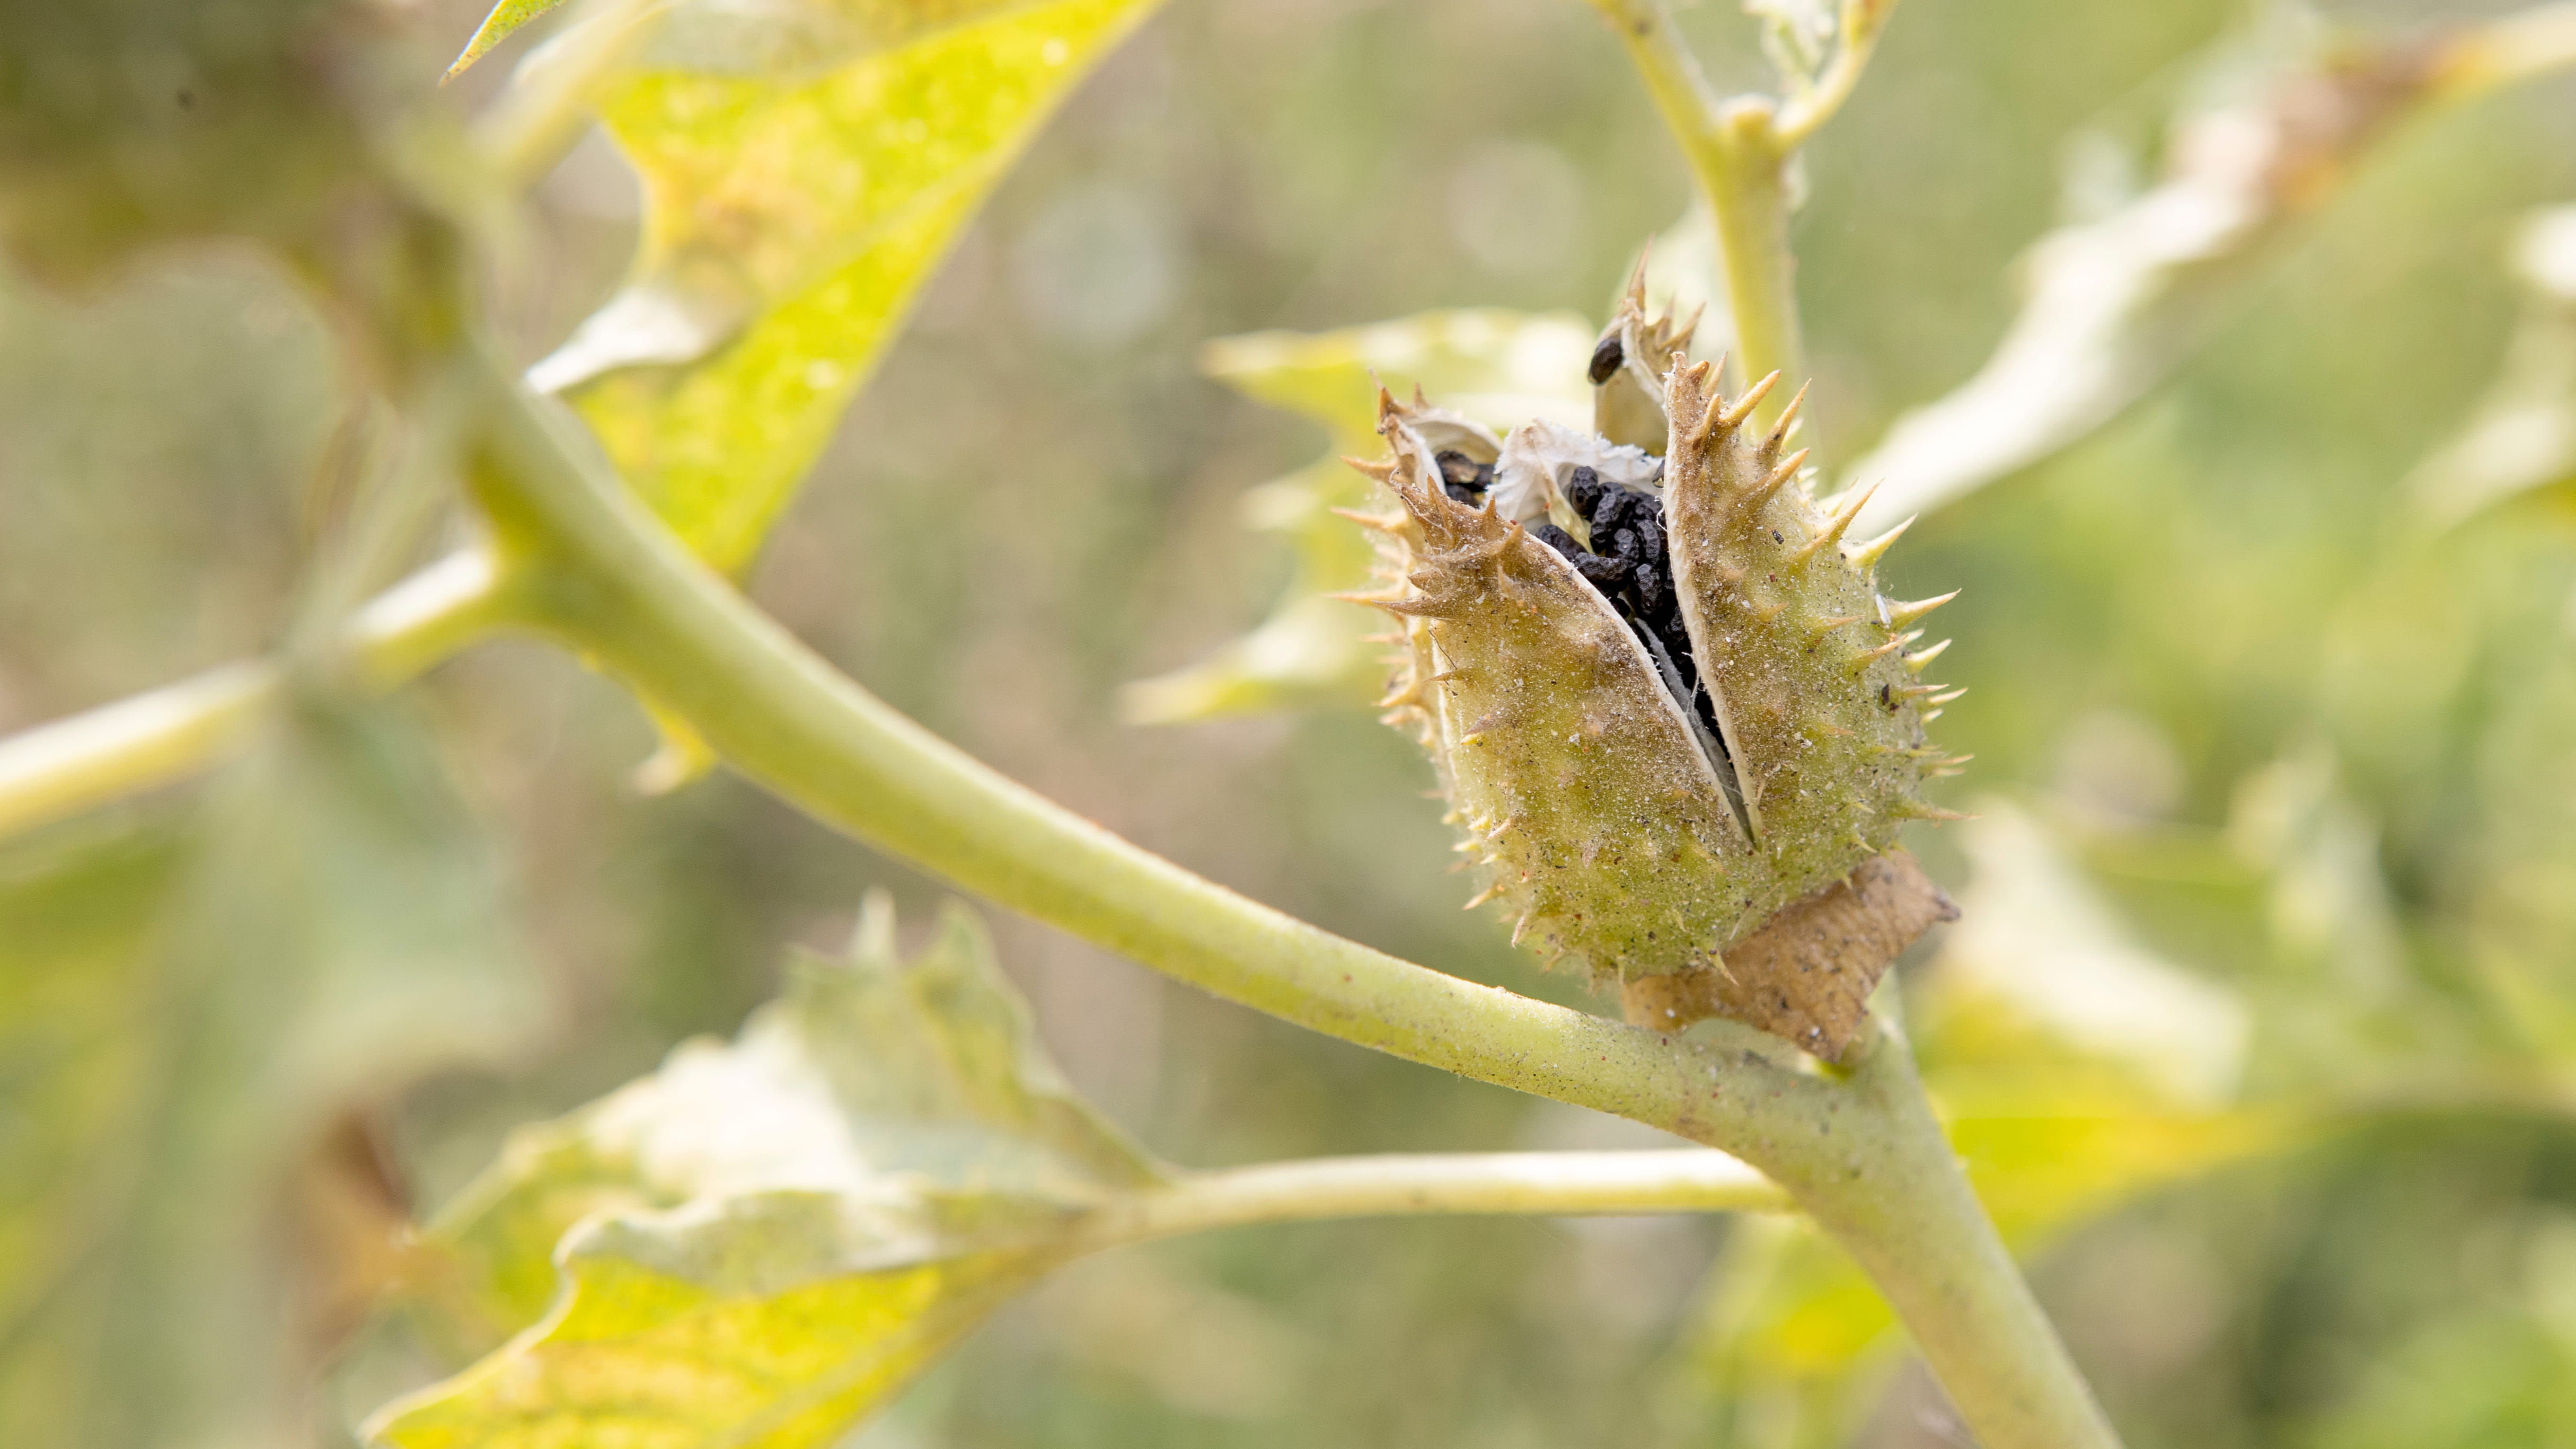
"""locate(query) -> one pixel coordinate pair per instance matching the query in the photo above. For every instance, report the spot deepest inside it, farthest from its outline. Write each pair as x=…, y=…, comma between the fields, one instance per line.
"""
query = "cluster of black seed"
x=1631, y=564
x=1463, y=478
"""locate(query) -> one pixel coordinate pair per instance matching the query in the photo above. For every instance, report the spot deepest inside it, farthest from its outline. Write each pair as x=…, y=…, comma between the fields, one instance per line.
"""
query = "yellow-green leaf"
x=763, y=1240
x=791, y=212
x=505, y=18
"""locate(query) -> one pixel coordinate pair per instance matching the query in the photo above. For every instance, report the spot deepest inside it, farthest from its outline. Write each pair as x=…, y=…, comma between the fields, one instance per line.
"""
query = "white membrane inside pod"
x=1539, y=460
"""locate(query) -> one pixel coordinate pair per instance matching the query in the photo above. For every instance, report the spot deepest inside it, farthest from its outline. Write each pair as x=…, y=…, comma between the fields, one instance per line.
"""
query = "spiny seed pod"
x=1673, y=715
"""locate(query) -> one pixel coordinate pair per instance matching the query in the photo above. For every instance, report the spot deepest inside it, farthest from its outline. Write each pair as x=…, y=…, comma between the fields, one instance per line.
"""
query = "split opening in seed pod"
x=1463, y=478
x=1630, y=562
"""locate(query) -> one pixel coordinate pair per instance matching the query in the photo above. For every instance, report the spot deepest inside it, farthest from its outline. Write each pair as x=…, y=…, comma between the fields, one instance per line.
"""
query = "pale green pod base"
x=1806, y=973
x=1570, y=768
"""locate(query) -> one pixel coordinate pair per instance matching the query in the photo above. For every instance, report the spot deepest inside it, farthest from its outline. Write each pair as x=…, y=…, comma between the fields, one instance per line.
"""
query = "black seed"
x=1618, y=507
x=1606, y=359
x=1560, y=540
x=1583, y=490
x=1652, y=595
x=1609, y=575
x=1463, y=478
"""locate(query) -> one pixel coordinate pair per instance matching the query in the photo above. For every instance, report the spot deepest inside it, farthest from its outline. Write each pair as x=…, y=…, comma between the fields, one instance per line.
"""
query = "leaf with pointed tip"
x=498, y=26
x=796, y=197
x=764, y=1239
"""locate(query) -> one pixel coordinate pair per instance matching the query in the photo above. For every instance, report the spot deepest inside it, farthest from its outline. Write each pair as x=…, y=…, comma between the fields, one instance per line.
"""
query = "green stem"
x=1564, y=1184
x=1747, y=180
x=1864, y=1156
x=1898, y=1201
x=1862, y=20
x=598, y=570
x=1742, y=170
x=60, y=769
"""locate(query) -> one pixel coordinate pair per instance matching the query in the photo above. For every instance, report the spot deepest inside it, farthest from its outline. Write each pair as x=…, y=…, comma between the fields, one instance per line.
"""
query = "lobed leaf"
x=763, y=1240
x=1499, y=367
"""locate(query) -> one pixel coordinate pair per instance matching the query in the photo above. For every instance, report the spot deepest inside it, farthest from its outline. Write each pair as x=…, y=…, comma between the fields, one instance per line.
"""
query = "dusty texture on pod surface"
x=1569, y=764
x=1741, y=870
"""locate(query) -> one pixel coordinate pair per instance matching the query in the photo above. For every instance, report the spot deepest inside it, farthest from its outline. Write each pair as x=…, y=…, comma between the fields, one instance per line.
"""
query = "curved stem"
x=1407, y=1185
x=57, y=770
x=1863, y=1155
x=608, y=578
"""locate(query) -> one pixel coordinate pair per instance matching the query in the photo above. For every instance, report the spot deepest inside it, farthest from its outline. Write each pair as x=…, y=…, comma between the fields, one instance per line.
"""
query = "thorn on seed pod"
x=1900, y=615
x=1865, y=556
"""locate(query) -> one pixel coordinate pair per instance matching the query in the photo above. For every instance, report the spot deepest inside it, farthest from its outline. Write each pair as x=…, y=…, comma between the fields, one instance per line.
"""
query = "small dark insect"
x=1463, y=478
x=1606, y=359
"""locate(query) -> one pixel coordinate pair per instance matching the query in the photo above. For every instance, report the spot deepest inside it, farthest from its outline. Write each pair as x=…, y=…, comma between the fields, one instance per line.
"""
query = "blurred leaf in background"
x=2523, y=435
x=764, y=1240
x=2077, y=1072
x=200, y=1021
x=2277, y=124
x=131, y=124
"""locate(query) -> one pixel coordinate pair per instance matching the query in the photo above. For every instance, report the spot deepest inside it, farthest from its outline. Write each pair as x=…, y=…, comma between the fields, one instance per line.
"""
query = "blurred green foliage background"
x=2246, y=716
